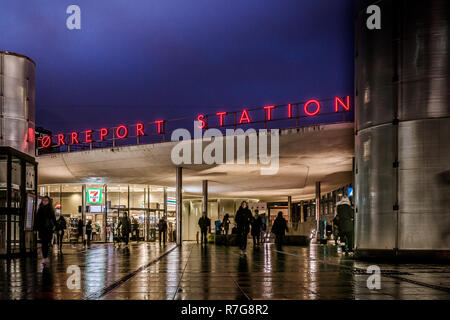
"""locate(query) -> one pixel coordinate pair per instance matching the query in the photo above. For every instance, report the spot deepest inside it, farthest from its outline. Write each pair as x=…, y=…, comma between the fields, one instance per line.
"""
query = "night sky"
x=142, y=60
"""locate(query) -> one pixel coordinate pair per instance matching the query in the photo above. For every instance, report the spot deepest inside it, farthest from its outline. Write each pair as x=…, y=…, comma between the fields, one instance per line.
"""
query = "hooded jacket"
x=243, y=219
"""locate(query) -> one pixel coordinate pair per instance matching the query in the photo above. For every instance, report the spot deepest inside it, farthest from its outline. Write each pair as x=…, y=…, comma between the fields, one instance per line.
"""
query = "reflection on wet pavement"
x=148, y=271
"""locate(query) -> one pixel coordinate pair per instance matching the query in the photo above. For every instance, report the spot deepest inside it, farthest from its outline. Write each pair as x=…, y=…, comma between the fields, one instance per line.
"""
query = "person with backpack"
x=278, y=228
x=126, y=227
x=61, y=225
x=44, y=224
x=162, y=228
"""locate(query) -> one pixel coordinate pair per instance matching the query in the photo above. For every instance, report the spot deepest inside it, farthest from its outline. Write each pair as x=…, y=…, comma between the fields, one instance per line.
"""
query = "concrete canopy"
x=309, y=154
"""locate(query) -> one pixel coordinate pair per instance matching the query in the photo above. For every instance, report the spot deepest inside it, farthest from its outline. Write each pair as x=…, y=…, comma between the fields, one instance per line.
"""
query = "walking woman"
x=61, y=225
x=45, y=224
x=243, y=218
x=278, y=228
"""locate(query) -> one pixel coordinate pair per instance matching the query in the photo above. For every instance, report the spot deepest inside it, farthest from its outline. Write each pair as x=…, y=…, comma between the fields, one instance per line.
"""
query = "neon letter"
x=317, y=108
x=74, y=136
x=103, y=133
x=124, y=134
x=221, y=114
x=289, y=111
x=244, y=117
x=338, y=101
x=203, y=122
x=140, y=129
x=46, y=141
x=61, y=141
x=159, y=122
x=269, y=111
x=88, y=136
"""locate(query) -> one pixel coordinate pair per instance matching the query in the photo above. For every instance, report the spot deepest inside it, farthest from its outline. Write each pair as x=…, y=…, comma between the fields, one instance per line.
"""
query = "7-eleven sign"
x=94, y=195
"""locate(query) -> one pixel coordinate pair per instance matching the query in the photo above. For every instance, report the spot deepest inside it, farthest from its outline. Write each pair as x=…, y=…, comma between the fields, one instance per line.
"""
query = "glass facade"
x=105, y=205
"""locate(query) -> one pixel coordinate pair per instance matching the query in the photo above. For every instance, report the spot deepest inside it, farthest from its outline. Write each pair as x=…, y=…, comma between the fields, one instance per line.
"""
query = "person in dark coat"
x=126, y=227
x=256, y=228
x=44, y=224
x=226, y=223
x=345, y=217
x=88, y=232
x=278, y=228
x=162, y=228
x=204, y=223
x=80, y=229
x=61, y=225
x=243, y=219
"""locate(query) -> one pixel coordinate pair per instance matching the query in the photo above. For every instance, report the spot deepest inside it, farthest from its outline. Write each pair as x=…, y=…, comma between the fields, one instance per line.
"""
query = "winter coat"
x=125, y=224
x=345, y=215
x=162, y=225
x=204, y=223
x=256, y=226
x=243, y=219
x=45, y=221
x=61, y=224
x=279, y=226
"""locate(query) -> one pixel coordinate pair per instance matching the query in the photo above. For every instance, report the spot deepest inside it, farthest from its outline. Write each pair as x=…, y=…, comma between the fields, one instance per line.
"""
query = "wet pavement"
x=148, y=271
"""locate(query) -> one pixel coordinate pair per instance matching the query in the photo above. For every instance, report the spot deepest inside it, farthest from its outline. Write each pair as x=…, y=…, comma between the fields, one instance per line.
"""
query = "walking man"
x=204, y=223
x=243, y=218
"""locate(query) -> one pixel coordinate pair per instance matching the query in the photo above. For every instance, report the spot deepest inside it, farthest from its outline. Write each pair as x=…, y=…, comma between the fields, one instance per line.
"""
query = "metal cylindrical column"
x=17, y=96
x=83, y=209
x=317, y=213
x=179, y=211
x=402, y=145
x=165, y=202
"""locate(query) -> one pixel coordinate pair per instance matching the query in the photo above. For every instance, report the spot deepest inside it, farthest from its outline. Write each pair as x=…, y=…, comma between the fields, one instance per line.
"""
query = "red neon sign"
x=221, y=115
x=160, y=123
x=103, y=133
x=311, y=107
x=244, y=117
x=74, y=136
x=316, y=102
x=269, y=112
x=139, y=129
x=46, y=141
x=61, y=141
x=200, y=118
x=88, y=136
x=338, y=101
x=122, y=131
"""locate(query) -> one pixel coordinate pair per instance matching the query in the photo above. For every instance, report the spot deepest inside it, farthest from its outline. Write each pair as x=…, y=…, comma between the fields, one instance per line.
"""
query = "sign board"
x=261, y=206
x=171, y=201
x=350, y=192
x=94, y=195
x=29, y=217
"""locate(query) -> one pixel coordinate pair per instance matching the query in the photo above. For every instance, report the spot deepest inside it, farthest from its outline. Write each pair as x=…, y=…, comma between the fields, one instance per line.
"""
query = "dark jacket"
x=279, y=226
x=162, y=225
x=45, y=221
x=256, y=225
x=345, y=214
x=125, y=224
x=243, y=219
x=226, y=223
x=61, y=224
x=80, y=226
x=89, y=228
x=204, y=223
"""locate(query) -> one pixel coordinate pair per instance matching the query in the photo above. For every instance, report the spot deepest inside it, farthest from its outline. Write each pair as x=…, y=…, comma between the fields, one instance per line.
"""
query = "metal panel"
x=375, y=180
x=17, y=102
x=413, y=68
x=374, y=71
x=424, y=188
